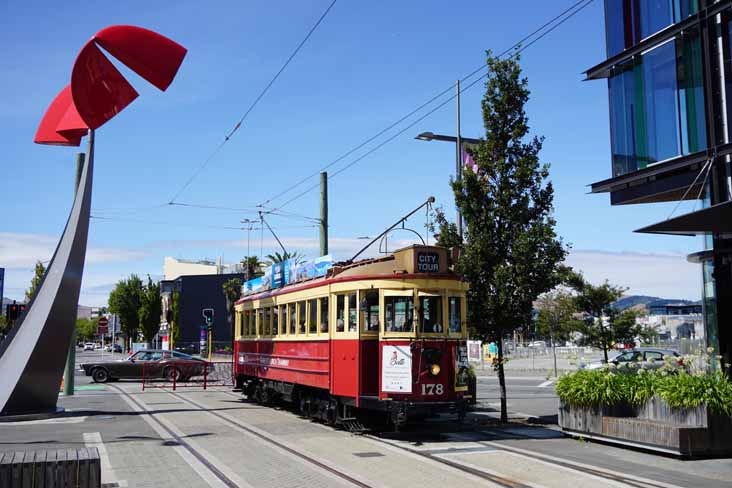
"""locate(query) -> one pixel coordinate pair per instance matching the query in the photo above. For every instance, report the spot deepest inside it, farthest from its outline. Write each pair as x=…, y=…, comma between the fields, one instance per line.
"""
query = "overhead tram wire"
x=194, y=226
x=433, y=110
x=581, y=4
x=254, y=104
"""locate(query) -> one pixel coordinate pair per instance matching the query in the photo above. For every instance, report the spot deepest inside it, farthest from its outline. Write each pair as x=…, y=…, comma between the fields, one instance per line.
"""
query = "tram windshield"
x=430, y=311
x=399, y=313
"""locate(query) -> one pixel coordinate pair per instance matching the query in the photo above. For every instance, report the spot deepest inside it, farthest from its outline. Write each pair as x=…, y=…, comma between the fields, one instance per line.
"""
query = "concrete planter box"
x=654, y=425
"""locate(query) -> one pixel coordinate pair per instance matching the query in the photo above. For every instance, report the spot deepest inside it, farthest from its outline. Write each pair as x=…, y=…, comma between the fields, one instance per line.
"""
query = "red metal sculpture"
x=98, y=91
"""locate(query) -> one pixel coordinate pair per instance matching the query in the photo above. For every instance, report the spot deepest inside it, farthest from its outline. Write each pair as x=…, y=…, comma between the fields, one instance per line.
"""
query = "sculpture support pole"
x=71, y=357
x=31, y=361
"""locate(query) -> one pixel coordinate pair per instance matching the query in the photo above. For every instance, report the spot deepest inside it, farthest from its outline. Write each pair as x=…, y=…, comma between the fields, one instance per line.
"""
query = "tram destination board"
x=427, y=262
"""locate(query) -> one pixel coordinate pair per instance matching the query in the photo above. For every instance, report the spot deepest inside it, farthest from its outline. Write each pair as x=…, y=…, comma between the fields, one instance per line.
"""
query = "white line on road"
x=94, y=439
x=546, y=383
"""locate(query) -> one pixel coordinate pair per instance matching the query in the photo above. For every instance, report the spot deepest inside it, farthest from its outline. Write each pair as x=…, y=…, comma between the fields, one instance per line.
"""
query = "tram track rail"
x=505, y=482
x=232, y=422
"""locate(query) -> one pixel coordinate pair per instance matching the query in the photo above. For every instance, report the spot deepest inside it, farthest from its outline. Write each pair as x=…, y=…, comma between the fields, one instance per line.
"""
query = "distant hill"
x=631, y=301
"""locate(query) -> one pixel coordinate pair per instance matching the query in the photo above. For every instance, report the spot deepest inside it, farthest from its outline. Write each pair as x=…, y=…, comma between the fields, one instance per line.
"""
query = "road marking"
x=94, y=439
x=546, y=383
x=62, y=420
x=206, y=474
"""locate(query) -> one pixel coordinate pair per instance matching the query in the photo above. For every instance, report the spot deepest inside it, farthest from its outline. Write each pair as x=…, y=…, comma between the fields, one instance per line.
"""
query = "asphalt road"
x=527, y=396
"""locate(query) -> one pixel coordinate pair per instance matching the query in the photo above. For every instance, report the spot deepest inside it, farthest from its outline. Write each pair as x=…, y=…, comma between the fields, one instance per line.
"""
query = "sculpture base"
x=40, y=415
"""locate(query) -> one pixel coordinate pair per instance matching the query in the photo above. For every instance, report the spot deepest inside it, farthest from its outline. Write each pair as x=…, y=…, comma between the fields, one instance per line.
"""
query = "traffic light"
x=208, y=314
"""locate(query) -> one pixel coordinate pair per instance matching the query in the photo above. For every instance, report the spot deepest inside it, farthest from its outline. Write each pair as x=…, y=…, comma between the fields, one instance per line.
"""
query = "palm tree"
x=278, y=258
x=252, y=266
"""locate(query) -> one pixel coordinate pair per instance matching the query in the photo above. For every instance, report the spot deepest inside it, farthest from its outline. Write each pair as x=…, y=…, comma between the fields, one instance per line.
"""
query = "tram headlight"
x=435, y=369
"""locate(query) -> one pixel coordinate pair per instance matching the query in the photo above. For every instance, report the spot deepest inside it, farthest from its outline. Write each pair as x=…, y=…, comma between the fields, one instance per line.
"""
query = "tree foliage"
x=232, y=292
x=4, y=325
x=174, y=314
x=39, y=271
x=278, y=258
x=603, y=325
x=252, y=266
x=556, y=317
x=150, y=311
x=86, y=329
x=125, y=300
x=511, y=254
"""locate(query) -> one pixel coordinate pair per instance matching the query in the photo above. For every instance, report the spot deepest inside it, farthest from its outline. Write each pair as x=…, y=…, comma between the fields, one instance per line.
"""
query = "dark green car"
x=150, y=363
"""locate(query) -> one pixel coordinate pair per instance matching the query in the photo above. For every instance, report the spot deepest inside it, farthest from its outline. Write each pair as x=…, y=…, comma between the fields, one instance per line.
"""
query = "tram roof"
x=412, y=262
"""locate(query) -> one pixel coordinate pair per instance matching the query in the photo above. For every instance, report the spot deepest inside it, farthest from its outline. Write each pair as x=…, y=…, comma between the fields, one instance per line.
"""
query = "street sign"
x=102, y=326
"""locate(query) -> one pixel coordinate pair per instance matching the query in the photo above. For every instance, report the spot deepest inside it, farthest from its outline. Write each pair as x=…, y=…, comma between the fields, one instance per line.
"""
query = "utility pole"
x=71, y=356
x=458, y=159
x=323, y=213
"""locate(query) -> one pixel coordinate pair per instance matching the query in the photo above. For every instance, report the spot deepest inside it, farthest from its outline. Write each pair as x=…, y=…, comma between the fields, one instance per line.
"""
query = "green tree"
x=512, y=253
x=4, y=325
x=232, y=292
x=278, y=258
x=86, y=329
x=40, y=270
x=556, y=318
x=125, y=300
x=174, y=330
x=150, y=311
x=603, y=325
x=252, y=267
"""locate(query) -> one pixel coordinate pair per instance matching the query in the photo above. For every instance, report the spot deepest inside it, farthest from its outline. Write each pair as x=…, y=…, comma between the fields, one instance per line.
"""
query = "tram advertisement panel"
x=461, y=368
x=396, y=369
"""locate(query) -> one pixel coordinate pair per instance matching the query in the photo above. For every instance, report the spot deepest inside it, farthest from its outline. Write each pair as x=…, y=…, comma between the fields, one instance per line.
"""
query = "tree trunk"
x=554, y=352
x=502, y=382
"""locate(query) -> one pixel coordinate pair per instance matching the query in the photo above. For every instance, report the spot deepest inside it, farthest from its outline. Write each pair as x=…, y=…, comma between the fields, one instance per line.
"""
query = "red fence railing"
x=187, y=374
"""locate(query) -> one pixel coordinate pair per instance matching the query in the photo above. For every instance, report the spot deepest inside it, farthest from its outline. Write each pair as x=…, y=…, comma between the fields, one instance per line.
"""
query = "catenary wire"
x=431, y=100
x=254, y=104
x=442, y=104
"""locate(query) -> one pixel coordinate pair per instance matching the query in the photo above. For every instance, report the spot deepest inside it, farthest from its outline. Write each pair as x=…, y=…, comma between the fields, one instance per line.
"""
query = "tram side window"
x=245, y=325
x=324, y=315
x=275, y=321
x=430, y=311
x=340, y=313
x=293, y=318
x=369, y=310
x=399, y=314
x=454, y=314
x=313, y=316
x=352, y=316
x=301, y=317
x=260, y=320
x=267, y=321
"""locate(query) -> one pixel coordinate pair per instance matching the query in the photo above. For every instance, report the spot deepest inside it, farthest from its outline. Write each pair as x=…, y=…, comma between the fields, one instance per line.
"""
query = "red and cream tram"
x=385, y=334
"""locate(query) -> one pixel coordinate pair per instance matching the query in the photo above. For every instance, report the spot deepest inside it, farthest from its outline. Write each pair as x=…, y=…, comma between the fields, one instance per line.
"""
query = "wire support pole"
x=429, y=201
x=458, y=157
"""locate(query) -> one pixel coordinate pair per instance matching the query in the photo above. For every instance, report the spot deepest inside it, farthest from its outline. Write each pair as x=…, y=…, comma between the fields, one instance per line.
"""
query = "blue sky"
x=368, y=64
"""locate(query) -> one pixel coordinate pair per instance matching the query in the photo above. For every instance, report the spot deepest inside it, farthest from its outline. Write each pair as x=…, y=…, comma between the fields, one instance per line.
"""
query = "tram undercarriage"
x=319, y=404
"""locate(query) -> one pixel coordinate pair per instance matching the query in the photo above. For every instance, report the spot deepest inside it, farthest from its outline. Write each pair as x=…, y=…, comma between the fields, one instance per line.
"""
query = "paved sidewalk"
x=196, y=438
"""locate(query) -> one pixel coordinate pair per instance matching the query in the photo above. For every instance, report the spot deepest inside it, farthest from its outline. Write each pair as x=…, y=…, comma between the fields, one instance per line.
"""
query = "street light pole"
x=458, y=158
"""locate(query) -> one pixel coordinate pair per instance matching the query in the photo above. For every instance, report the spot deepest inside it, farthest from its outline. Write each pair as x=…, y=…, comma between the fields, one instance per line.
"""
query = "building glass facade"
x=657, y=105
x=630, y=21
x=670, y=102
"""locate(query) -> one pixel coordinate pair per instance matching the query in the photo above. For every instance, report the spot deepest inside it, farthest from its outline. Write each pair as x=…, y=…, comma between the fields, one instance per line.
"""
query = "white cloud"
x=23, y=250
x=661, y=275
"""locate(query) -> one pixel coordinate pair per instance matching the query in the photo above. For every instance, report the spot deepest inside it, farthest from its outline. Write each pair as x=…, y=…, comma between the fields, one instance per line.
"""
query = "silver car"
x=647, y=357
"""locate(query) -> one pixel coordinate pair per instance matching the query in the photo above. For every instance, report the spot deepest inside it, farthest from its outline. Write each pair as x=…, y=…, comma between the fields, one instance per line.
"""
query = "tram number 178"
x=432, y=389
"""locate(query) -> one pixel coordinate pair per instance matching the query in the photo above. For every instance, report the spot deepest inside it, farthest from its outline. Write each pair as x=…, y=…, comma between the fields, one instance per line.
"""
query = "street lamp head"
x=425, y=136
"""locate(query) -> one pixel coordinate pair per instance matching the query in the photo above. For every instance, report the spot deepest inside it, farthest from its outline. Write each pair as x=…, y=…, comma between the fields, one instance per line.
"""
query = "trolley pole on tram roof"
x=323, y=213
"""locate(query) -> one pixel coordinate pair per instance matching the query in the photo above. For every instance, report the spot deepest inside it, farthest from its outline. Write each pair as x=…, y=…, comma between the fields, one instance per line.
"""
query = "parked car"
x=647, y=357
x=113, y=348
x=155, y=363
x=88, y=346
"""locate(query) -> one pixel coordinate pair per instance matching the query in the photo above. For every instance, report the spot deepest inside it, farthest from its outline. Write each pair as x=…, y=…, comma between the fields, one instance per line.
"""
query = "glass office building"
x=669, y=75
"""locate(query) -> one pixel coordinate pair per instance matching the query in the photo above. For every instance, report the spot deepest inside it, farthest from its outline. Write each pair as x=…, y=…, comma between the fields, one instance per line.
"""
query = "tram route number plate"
x=396, y=369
